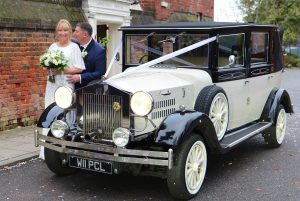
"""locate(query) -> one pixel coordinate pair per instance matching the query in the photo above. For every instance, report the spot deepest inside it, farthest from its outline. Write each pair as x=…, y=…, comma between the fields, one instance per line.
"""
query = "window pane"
x=231, y=45
x=259, y=47
x=144, y=48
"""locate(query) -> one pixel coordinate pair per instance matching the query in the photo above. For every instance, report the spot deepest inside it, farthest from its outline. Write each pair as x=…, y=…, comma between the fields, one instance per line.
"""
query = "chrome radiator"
x=102, y=114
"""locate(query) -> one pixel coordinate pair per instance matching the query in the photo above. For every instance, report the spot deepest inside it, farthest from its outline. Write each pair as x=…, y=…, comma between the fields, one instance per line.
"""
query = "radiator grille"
x=102, y=114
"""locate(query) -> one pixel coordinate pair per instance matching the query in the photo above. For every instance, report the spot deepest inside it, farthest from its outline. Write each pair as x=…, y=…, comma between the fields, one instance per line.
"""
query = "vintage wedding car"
x=186, y=90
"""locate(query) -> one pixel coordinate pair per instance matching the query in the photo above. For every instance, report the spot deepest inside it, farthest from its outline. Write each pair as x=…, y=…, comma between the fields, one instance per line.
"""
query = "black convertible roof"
x=192, y=25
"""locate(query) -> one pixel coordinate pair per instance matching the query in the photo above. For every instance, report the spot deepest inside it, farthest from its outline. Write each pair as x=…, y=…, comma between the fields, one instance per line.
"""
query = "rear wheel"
x=274, y=136
x=186, y=177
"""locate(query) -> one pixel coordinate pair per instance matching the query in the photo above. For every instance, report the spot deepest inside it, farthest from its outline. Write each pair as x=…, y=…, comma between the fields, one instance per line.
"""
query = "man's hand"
x=72, y=79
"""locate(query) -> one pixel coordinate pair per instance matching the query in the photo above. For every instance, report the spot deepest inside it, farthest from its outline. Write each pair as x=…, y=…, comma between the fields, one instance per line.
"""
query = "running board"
x=234, y=138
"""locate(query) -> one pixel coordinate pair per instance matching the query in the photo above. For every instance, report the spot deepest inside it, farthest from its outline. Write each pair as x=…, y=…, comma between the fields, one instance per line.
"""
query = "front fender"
x=180, y=125
x=49, y=115
x=276, y=97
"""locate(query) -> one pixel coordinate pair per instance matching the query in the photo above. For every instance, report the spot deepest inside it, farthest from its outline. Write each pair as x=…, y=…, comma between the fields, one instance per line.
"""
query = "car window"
x=144, y=48
x=231, y=45
x=259, y=45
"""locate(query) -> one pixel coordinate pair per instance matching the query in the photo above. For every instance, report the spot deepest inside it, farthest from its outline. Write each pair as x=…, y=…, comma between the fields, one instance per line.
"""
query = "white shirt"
x=85, y=46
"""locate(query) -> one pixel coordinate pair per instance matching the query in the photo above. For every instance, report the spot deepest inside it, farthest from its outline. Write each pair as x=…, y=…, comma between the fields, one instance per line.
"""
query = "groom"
x=94, y=56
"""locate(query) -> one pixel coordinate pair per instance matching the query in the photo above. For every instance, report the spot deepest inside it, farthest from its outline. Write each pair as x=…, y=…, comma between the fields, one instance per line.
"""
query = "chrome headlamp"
x=59, y=128
x=64, y=97
x=121, y=137
x=141, y=103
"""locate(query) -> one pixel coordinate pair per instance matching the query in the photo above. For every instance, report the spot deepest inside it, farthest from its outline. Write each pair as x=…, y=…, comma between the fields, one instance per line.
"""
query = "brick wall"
x=26, y=31
x=22, y=79
x=163, y=9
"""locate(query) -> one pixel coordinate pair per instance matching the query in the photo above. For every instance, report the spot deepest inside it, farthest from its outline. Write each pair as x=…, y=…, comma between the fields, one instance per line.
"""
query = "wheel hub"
x=195, y=167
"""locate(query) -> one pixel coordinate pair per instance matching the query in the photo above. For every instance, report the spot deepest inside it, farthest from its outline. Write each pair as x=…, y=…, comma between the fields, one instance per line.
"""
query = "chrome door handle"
x=271, y=76
x=247, y=82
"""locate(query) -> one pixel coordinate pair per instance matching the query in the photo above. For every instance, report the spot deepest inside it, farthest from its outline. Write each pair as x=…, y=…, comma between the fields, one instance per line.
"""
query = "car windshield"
x=141, y=48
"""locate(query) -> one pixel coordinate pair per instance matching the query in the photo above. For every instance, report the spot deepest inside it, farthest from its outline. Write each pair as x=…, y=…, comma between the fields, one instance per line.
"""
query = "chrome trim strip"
x=249, y=135
x=108, y=153
x=170, y=153
x=53, y=147
x=121, y=159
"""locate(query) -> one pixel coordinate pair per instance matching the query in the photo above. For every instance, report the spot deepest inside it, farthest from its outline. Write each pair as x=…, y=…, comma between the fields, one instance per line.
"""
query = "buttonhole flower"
x=84, y=54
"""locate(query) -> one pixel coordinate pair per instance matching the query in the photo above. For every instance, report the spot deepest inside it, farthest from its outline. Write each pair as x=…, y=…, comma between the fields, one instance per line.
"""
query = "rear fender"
x=276, y=97
x=49, y=115
x=179, y=126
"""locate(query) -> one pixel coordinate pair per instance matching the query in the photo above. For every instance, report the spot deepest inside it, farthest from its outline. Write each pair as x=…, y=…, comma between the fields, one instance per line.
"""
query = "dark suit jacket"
x=95, y=64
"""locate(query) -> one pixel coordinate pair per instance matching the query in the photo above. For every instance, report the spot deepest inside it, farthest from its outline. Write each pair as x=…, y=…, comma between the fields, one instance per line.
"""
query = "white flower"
x=53, y=59
x=84, y=54
x=46, y=62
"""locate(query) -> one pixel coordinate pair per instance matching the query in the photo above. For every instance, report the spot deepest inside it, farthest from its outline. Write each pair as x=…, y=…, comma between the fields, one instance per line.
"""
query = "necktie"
x=81, y=48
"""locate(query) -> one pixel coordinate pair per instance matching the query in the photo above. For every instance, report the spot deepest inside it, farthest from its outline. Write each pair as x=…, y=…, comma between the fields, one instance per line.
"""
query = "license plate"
x=89, y=164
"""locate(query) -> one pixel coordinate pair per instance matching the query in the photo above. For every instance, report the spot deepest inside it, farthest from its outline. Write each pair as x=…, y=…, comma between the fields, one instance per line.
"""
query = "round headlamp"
x=59, y=128
x=141, y=103
x=121, y=137
x=64, y=97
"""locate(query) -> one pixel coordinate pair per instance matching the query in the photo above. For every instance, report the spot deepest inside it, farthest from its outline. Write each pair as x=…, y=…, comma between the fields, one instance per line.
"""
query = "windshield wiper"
x=144, y=39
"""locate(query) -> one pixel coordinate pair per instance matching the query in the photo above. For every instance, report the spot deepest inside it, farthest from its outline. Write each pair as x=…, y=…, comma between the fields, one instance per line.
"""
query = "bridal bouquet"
x=53, y=60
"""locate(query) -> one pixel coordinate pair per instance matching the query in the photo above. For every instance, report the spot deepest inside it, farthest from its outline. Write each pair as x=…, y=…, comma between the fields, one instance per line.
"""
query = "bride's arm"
x=72, y=70
x=66, y=71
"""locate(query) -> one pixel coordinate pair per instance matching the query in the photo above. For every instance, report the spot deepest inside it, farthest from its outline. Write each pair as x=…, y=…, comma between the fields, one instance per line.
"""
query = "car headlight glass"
x=64, y=97
x=121, y=137
x=59, y=128
x=141, y=103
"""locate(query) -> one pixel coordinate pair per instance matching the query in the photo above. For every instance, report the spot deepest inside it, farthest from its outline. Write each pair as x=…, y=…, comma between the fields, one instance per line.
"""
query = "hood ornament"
x=116, y=106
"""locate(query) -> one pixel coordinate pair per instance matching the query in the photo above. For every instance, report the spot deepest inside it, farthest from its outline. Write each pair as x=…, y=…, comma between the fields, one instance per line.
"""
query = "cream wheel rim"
x=219, y=114
x=281, y=126
x=195, y=167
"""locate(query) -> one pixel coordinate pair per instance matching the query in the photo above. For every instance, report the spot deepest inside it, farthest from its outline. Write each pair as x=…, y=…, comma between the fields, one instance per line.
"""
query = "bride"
x=72, y=53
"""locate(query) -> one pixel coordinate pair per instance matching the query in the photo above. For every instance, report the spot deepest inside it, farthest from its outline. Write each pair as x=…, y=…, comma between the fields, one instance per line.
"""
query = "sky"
x=227, y=11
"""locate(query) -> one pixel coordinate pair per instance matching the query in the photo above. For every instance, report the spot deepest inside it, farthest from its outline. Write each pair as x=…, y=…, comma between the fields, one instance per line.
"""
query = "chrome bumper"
x=104, y=152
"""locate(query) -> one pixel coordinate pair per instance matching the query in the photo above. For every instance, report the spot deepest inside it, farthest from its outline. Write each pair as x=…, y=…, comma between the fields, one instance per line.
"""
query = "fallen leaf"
x=258, y=189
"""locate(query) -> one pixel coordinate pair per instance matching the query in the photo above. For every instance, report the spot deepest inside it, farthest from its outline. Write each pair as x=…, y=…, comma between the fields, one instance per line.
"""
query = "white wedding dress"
x=73, y=55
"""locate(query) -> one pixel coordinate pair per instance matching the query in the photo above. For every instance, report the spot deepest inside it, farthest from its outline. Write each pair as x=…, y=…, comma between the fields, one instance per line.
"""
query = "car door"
x=262, y=80
x=232, y=77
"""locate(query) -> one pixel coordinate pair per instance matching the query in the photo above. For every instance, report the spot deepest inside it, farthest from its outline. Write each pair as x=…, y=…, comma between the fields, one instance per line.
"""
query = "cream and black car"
x=187, y=91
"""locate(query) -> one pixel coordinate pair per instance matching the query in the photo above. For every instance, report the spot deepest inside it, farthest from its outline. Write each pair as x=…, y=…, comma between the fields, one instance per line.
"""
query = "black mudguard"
x=49, y=115
x=180, y=125
x=276, y=97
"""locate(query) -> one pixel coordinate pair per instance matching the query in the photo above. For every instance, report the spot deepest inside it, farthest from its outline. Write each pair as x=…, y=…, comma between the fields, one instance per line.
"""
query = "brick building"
x=27, y=30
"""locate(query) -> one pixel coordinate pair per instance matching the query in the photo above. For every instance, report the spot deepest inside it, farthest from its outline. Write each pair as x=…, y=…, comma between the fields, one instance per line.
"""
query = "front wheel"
x=55, y=163
x=274, y=136
x=186, y=177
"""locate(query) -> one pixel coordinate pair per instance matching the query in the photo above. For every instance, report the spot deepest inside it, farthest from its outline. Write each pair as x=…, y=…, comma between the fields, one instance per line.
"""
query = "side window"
x=259, y=47
x=231, y=46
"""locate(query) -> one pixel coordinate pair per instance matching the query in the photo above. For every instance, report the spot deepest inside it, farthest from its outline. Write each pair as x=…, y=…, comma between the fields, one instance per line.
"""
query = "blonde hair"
x=64, y=24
